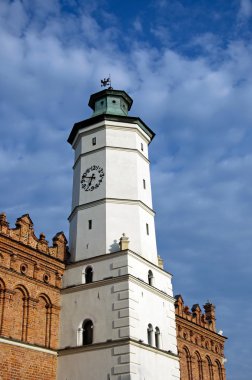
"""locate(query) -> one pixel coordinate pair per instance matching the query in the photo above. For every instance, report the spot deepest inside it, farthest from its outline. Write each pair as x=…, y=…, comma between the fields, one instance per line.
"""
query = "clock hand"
x=91, y=179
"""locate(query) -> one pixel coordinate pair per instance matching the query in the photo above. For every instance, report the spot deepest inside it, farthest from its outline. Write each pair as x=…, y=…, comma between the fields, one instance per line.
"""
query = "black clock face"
x=92, y=178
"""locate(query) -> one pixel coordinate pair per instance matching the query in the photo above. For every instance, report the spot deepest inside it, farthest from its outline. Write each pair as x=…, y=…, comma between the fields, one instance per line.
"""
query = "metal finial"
x=106, y=82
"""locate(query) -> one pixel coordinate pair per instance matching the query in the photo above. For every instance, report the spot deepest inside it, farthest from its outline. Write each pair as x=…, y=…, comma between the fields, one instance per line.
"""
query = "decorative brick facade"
x=201, y=348
x=30, y=282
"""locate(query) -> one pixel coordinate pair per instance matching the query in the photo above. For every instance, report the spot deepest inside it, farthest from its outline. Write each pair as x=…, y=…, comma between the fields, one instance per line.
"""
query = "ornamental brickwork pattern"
x=30, y=281
x=200, y=347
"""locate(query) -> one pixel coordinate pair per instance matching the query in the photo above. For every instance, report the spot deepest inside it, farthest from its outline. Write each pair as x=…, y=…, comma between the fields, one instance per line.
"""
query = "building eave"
x=96, y=119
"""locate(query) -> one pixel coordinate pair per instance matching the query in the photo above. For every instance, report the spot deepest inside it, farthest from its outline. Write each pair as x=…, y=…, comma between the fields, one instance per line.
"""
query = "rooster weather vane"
x=106, y=82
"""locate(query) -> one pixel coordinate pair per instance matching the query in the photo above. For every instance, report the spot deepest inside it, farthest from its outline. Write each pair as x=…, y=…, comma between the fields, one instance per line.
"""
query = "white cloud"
x=245, y=11
x=199, y=106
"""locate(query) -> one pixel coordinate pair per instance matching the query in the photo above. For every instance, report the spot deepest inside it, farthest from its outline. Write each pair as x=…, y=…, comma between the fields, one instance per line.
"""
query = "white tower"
x=117, y=317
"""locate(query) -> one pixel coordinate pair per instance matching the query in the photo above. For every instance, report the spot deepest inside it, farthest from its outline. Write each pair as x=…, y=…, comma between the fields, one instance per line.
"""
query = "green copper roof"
x=111, y=105
x=110, y=102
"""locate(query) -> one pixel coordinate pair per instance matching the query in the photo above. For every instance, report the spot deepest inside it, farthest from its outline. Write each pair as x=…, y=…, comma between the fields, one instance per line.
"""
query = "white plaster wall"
x=131, y=219
x=154, y=367
x=111, y=133
x=109, y=221
x=139, y=269
x=123, y=362
x=148, y=242
x=116, y=264
x=102, y=305
x=117, y=310
x=156, y=310
x=101, y=269
x=127, y=137
x=90, y=365
x=125, y=171
x=86, y=140
x=76, y=185
x=88, y=243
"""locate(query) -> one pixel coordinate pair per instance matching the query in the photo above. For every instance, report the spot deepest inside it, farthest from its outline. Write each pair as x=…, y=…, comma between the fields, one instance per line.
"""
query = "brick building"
x=200, y=347
x=30, y=281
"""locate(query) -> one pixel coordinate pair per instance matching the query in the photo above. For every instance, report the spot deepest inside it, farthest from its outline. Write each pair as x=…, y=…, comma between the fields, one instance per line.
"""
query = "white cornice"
x=112, y=200
x=108, y=124
x=111, y=148
x=28, y=346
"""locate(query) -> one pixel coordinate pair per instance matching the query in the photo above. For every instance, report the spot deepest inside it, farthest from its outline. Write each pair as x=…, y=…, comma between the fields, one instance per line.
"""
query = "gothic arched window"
x=2, y=302
x=210, y=368
x=188, y=363
x=199, y=365
x=150, y=334
x=219, y=370
x=87, y=328
x=88, y=275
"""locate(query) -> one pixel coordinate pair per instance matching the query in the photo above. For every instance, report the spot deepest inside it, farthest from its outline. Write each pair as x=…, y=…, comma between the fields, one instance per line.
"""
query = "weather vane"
x=106, y=82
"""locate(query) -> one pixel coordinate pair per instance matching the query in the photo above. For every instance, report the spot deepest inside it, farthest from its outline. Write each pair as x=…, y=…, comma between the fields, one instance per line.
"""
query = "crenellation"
x=24, y=233
x=206, y=320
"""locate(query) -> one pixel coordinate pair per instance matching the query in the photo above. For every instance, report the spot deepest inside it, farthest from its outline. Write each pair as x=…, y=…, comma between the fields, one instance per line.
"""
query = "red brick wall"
x=30, y=282
x=18, y=363
x=200, y=347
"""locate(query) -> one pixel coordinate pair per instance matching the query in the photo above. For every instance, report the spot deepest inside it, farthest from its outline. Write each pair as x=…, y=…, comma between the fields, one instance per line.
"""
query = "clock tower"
x=117, y=314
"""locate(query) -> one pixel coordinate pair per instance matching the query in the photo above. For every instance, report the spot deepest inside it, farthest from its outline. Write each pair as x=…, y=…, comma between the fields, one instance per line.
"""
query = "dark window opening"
x=147, y=228
x=157, y=337
x=149, y=334
x=90, y=224
x=150, y=277
x=88, y=275
x=94, y=141
x=87, y=327
x=142, y=146
x=144, y=184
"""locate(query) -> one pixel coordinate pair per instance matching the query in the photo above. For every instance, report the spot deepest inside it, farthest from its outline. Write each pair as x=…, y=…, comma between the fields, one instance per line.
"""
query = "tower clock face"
x=92, y=178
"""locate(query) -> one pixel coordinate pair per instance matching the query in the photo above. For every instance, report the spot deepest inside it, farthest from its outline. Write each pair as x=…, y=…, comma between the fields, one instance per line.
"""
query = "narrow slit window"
x=94, y=141
x=149, y=334
x=150, y=277
x=157, y=337
x=147, y=229
x=144, y=184
x=90, y=224
x=142, y=146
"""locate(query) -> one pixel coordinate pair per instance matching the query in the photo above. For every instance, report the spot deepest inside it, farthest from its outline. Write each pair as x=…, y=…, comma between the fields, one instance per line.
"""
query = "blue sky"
x=187, y=65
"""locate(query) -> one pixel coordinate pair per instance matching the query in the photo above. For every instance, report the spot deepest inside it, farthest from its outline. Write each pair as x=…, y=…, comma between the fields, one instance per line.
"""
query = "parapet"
x=24, y=233
x=195, y=315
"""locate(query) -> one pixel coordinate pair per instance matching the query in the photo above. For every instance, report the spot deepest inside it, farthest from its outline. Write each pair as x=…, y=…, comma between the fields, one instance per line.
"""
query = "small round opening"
x=23, y=268
x=46, y=278
x=113, y=101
